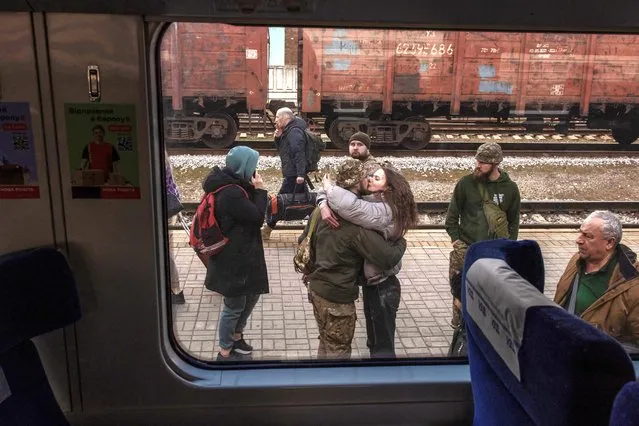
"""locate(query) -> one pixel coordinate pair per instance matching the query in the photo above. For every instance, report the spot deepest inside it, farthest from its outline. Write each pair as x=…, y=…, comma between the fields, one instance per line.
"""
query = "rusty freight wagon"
x=210, y=74
x=387, y=83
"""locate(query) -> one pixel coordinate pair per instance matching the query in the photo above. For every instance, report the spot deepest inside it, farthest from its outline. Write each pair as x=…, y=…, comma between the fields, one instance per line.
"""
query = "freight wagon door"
x=256, y=67
x=490, y=70
x=350, y=66
x=555, y=72
x=423, y=66
x=615, y=72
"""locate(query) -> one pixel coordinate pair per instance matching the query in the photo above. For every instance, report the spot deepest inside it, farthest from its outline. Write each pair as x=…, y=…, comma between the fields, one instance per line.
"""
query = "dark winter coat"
x=240, y=268
x=292, y=148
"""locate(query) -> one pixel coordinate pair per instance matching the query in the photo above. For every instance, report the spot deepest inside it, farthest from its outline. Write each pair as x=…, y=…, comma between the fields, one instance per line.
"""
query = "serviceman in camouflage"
x=339, y=260
x=359, y=146
x=466, y=222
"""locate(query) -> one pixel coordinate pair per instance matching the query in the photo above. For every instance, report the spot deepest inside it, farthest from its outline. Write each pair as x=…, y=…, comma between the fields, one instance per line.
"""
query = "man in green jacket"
x=339, y=259
x=466, y=220
x=601, y=282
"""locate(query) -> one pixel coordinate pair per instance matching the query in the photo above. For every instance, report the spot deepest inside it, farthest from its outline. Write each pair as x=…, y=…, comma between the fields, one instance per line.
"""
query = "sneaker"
x=232, y=357
x=241, y=347
x=178, y=299
x=266, y=232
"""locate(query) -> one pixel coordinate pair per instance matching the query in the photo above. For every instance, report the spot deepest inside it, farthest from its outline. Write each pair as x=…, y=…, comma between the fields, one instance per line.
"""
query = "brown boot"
x=266, y=232
x=456, y=321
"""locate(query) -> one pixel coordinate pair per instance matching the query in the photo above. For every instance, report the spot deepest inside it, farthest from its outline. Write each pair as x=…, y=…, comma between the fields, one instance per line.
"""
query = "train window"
x=445, y=124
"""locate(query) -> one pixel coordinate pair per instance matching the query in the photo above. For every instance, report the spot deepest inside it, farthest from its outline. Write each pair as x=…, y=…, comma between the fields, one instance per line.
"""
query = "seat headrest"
x=531, y=361
x=524, y=257
x=38, y=294
x=497, y=299
x=625, y=410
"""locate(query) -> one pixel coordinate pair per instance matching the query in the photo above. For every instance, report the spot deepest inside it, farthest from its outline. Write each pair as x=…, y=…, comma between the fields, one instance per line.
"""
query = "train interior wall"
x=115, y=365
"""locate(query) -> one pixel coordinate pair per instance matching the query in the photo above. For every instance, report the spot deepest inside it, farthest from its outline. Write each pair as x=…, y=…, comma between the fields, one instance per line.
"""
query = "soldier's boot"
x=266, y=232
x=456, y=321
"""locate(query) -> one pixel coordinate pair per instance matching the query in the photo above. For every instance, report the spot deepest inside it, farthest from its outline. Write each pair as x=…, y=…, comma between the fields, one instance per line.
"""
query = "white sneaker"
x=266, y=232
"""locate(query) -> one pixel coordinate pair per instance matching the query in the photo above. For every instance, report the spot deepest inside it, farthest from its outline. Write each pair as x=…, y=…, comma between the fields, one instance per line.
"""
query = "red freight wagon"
x=210, y=74
x=387, y=83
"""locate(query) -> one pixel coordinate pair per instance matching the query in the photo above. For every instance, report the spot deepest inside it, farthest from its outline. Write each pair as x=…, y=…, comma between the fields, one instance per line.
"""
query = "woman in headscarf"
x=238, y=272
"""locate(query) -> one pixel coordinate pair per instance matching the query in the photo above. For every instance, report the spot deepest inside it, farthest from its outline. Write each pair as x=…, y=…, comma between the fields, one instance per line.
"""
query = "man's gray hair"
x=286, y=112
x=611, y=226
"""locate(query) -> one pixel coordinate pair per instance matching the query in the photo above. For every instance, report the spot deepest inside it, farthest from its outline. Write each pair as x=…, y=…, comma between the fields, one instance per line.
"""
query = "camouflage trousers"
x=336, y=324
x=455, y=267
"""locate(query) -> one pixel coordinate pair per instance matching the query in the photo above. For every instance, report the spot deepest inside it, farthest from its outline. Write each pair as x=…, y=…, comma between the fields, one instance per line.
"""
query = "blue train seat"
x=625, y=410
x=531, y=362
x=37, y=294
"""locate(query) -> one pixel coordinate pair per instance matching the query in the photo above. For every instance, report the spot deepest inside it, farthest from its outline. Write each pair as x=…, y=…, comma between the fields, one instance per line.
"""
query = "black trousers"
x=289, y=186
x=381, y=303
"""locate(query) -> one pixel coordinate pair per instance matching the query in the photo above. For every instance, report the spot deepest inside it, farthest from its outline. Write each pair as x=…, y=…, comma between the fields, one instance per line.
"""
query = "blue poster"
x=18, y=170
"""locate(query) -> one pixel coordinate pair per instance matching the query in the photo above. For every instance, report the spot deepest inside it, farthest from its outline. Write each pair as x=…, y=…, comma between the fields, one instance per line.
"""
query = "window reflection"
x=223, y=85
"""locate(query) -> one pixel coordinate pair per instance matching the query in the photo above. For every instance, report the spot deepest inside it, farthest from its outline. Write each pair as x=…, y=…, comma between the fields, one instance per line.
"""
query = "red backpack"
x=206, y=237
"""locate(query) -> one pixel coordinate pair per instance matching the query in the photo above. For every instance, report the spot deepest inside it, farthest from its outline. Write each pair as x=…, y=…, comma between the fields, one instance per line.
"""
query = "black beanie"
x=361, y=137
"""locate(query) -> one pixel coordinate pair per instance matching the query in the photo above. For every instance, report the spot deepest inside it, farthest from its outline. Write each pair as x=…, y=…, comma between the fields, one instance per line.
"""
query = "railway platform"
x=282, y=325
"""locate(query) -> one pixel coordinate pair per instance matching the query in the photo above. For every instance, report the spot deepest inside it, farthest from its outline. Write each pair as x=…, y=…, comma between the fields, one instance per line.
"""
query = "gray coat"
x=370, y=212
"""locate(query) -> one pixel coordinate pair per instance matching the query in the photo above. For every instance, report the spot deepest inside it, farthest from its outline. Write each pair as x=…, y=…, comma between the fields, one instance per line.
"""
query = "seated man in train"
x=339, y=260
x=601, y=282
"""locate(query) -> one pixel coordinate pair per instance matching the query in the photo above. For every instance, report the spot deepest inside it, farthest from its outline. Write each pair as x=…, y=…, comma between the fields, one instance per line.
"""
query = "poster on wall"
x=18, y=171
x=103, y=150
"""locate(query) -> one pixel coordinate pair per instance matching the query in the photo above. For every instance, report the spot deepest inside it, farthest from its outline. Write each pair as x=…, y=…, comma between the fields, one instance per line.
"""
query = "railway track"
x=256, y=129
x=442, y=149
x=442, y=126
x=527, y=207
x=514, y=133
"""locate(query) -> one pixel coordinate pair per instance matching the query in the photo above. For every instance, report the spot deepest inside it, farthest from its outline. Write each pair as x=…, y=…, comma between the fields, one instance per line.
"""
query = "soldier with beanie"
x=359, y=146
x=339, y=260
x=466, y=221
x=238, y=272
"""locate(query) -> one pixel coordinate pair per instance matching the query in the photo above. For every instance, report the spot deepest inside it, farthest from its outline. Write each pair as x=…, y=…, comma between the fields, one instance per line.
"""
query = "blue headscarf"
x=242, y=161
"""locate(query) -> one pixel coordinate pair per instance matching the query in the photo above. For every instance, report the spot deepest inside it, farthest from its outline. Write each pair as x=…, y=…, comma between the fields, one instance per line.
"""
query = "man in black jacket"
x=238, y=272
x=290, y=141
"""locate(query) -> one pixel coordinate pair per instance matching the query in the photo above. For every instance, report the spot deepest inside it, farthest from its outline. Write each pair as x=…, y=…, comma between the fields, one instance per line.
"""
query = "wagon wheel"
x=221, y=132
x=419, y=136
x=623, y=132
x=328, y=122
x=336, y=137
